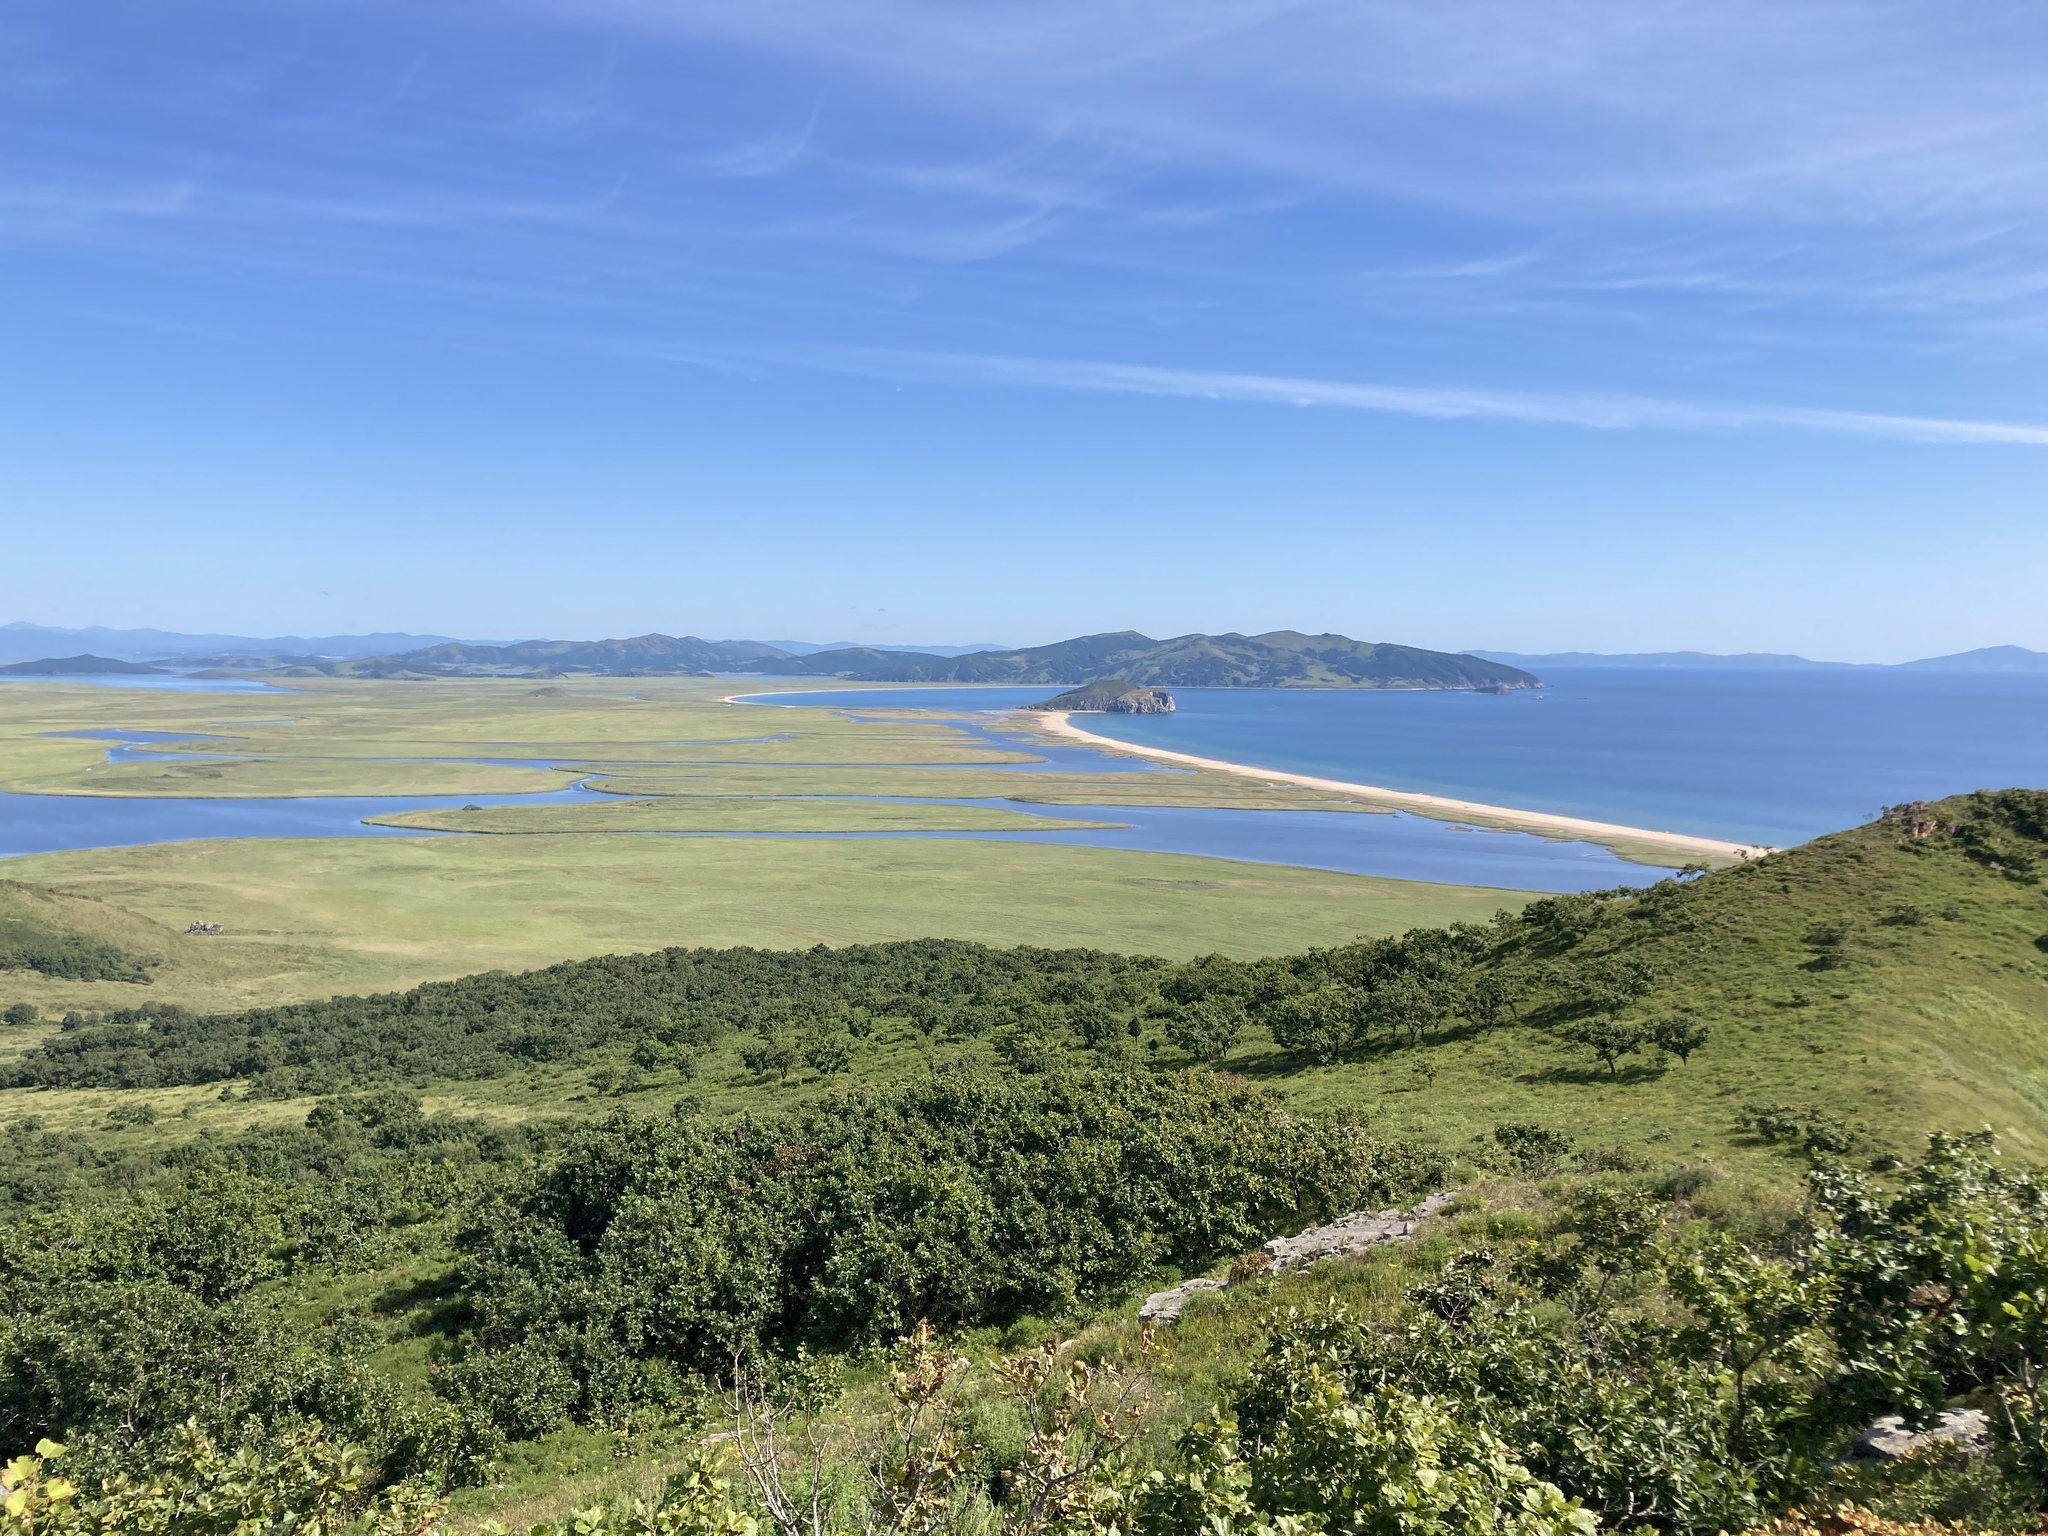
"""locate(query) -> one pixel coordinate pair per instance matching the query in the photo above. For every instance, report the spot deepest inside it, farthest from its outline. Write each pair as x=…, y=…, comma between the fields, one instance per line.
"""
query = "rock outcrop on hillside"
x=1348, y=1237
x=1111, y=695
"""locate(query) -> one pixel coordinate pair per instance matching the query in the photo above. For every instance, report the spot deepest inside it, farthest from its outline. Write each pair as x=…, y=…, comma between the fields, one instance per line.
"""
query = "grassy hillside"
x=1872, y=979
x=50, y=935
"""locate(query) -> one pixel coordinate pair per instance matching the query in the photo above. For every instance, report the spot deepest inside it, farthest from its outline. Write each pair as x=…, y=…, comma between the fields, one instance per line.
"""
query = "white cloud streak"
x=1609, y=413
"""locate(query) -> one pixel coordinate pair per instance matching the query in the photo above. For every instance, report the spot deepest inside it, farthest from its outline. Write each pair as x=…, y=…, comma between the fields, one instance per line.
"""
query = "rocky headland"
x=1112, y=696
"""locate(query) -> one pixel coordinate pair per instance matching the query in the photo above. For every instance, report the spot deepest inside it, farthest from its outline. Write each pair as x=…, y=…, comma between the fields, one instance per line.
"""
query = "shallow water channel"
x=1393, y=846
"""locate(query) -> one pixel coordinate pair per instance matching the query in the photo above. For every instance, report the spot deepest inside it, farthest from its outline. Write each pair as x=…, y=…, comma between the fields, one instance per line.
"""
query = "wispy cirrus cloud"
x=1607, y=413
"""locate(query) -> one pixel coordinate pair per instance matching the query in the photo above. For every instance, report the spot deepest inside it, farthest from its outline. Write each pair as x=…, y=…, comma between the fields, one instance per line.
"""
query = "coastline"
x=1629, y=842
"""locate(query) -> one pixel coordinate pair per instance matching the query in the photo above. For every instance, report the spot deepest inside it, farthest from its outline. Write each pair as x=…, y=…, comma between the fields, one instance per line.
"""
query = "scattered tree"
x=1679, y=1035
x=1208, y=1029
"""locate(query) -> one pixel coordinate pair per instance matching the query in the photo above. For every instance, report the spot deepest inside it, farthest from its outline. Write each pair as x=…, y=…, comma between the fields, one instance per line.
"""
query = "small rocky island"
x=1111, y=695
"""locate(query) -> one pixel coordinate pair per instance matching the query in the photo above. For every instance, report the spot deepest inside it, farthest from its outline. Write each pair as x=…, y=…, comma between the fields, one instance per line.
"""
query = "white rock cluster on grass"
x=1345, y=1238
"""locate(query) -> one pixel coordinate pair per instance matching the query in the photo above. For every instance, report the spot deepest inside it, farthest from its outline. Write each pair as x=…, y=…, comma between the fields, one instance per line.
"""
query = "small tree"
x=1208, y=1029
x=1679, y=1035
x=1418, y=1003
x=1609, y=1039
x=1323, y=1024
x=1097, y=1022
x=771, y=1056
x=827, y=1052
x=20, y=1013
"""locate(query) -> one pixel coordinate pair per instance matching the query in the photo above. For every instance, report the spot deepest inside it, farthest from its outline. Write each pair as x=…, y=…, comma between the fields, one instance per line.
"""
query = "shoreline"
x=1440, y=807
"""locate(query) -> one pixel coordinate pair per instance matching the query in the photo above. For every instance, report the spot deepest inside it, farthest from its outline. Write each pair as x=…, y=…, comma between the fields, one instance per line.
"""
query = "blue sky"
x=1503, y=323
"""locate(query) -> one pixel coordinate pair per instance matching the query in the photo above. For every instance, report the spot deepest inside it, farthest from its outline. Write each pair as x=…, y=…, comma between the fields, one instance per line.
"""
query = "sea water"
x=1770, y=757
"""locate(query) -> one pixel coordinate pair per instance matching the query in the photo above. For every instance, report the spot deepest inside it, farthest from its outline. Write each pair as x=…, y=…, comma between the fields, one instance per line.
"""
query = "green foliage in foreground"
x=603, y=1268
x=641, y=1252
x=1625, y=1366
x=436, y=1289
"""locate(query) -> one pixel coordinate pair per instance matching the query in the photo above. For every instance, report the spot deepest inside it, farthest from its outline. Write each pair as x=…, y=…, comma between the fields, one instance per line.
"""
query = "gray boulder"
x=1165, y=1306
x=1349, y=1236
x=1345, y=1238
x=1888, y=1439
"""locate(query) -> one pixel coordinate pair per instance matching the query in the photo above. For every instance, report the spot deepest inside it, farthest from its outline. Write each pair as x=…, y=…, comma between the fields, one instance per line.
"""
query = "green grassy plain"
x=707, y=814
x=643, y=736
x=314, y=917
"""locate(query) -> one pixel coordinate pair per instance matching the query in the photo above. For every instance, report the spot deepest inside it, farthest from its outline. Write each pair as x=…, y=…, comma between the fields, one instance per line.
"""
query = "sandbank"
x=1628, y=841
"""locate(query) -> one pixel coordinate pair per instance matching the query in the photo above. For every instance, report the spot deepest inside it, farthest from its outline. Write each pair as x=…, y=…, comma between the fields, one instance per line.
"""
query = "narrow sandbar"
x=1640, y=843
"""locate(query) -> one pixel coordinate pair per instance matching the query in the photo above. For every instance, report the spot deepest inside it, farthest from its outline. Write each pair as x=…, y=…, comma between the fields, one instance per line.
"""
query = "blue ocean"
x=1770, y=757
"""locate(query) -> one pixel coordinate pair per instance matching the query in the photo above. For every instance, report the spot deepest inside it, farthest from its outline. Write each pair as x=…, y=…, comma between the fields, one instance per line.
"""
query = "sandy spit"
x=1057, y=723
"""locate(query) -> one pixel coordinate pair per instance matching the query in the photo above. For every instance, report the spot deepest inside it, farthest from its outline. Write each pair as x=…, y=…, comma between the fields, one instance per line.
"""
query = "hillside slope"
x=1867, y=986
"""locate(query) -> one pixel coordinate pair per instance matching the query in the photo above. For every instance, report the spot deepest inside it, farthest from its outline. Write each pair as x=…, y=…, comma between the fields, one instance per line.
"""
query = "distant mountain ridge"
x=1279, y=659
x=1990, y=658
x=38, y=640
x=811, y=648
x=643, y=655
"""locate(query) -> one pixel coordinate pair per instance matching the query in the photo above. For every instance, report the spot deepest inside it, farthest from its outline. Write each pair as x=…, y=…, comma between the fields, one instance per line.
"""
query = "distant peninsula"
x=77, y=666
x=1110, y=696
x=1281, y=658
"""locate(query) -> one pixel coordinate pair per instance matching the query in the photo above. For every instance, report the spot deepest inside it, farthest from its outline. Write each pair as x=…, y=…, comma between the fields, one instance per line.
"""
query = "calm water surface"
x=1752, y=756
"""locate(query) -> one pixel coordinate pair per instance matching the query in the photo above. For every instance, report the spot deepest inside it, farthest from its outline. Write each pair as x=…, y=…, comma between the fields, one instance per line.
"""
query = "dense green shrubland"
x=602, y=1269
x=126, y=1313
x=1323, y=1005
x=642, y=1251
x=488, y=1025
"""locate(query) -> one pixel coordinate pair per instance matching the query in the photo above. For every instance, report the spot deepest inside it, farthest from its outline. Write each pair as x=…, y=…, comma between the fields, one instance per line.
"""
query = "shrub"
x=1531, y=1150
x=1207, y=1030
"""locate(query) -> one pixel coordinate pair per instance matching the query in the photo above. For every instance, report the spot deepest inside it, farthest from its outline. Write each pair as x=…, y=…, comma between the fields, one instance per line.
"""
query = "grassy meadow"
x=309, y=918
